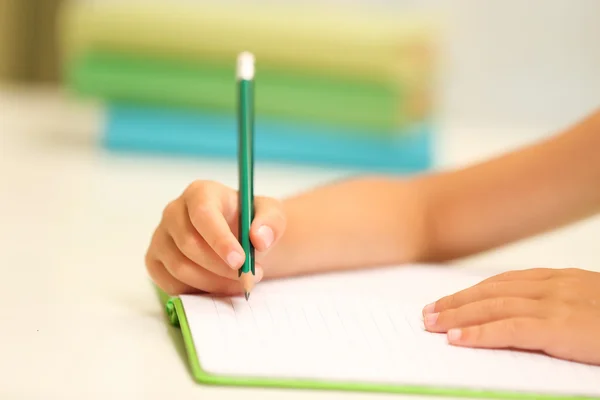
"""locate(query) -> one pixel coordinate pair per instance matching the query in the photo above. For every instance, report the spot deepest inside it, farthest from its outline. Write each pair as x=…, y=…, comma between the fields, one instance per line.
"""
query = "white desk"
x=79, y=318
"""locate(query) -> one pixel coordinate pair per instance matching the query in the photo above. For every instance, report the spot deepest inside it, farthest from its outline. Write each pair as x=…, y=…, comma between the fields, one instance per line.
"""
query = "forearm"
x=536, y=189
x=352, y=224
x=442, y=216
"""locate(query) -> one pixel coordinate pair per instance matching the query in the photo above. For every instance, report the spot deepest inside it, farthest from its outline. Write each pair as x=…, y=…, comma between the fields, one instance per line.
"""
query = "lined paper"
x=364, y=327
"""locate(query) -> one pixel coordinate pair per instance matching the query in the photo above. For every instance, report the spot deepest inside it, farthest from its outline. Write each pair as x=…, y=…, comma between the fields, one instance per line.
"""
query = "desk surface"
x=79, y=316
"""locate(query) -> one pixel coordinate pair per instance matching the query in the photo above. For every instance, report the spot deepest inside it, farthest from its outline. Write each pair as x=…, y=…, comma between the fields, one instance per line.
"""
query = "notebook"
x=360, y=331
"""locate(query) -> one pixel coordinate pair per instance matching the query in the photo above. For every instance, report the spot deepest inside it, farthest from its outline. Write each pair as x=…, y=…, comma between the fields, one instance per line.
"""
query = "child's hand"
x=195, y=246
x=553, y=311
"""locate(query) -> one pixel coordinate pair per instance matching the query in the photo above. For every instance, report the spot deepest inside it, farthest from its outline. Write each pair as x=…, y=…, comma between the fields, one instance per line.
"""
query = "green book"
x=360, y=331
x=210, y=85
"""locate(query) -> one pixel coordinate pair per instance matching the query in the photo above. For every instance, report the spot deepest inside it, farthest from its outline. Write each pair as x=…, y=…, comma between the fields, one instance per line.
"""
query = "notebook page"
x=364, y=327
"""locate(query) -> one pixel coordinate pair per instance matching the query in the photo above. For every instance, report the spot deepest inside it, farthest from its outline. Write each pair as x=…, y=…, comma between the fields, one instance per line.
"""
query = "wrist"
x=280, y=259
x=416, y=201
x=438, y=219
x=377, y=221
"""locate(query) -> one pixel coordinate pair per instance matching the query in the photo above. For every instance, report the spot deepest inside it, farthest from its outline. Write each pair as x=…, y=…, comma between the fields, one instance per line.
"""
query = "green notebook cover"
x=177, y=317
x=375, y=107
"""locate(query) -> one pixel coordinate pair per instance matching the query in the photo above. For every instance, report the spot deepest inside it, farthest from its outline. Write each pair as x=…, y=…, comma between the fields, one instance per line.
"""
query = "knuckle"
x=570, y=271
x=169, y=210
x=177, y=269
x=231, y=287
x=219, y=285
x=193, y=189
x=475, y=334
x=189, y=246
x=209, y=187
x=201, y=212
x=544, y=272
x=153, y=269
x=149, y=263
x=565, y=289
x=279, y=218
x=496, y=305
x=539, y=270
x=148, y=257
x=493, y=287
x=151, y=251
x=446, y=318
x=272, y=210
x=508, y=275
x=559, y=311
x=270, y=202
x=195, y=186
x=446, y=302
x=511, y=327
x=220, y=245
x=201, y=189
x=202, y=195
x=276, y=203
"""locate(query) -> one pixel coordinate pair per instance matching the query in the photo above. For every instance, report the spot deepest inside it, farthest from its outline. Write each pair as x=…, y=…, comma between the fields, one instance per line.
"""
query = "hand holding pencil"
x=194, y=248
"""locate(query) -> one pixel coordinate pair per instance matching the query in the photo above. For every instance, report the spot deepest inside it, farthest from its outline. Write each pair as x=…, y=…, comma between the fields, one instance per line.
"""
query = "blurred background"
x=110, y=109
x=503, y=62
x=104, y=103
x=395, y=71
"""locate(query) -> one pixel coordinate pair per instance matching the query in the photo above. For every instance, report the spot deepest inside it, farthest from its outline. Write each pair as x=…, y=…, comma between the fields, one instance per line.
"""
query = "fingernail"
x=258, y=275
x=429, y=308
x=430, y=319
x=266, y=234
x=235, y=259
x=454, y=334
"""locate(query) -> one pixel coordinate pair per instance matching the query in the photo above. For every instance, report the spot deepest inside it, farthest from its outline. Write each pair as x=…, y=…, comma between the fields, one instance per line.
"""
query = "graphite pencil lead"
x=247, y=294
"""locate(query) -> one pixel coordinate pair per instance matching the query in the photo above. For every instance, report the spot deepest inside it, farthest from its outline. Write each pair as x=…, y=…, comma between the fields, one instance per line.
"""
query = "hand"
x=195, y=246
x=556, y=312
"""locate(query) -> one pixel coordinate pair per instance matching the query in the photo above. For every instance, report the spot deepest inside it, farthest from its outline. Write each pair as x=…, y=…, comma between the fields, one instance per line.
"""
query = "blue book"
x=156, y=130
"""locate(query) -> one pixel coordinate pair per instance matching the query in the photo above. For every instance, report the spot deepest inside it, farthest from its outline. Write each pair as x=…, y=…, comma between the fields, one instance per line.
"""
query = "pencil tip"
x=247, y=295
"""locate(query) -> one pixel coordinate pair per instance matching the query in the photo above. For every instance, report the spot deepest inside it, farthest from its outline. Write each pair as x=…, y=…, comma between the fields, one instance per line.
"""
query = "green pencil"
x=245, y=83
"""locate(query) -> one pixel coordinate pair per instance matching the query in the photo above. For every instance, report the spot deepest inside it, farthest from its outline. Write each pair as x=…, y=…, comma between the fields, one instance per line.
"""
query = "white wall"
x=522, y=62
x=515, y=62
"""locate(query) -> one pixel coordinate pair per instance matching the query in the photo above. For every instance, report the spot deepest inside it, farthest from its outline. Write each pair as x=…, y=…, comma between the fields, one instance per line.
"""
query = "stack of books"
x=332, y=88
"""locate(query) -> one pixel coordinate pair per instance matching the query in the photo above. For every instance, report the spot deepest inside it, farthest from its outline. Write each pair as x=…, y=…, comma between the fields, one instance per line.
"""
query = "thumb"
x=268, y=224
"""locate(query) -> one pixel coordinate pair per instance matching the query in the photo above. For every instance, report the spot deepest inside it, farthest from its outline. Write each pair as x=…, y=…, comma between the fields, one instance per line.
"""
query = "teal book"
x=360, y=331
x=185, y=133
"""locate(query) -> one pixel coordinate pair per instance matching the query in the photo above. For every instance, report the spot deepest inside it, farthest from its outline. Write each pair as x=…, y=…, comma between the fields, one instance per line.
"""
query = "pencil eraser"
x=245, y=66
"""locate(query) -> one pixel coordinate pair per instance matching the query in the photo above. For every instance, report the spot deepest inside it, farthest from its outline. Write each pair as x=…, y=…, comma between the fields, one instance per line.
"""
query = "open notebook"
x=360, y=331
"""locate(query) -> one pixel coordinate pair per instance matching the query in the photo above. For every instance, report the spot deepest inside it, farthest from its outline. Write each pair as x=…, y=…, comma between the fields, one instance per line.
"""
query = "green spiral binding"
x=172, y=313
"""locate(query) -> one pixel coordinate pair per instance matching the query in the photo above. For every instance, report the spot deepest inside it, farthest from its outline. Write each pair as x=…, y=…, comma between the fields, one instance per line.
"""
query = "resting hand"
x=556, y=312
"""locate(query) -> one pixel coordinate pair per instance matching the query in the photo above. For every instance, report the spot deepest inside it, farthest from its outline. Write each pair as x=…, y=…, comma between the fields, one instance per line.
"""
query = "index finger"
x=518, y=333
x=489, y=290
x=531, y=274
x=206, y=215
